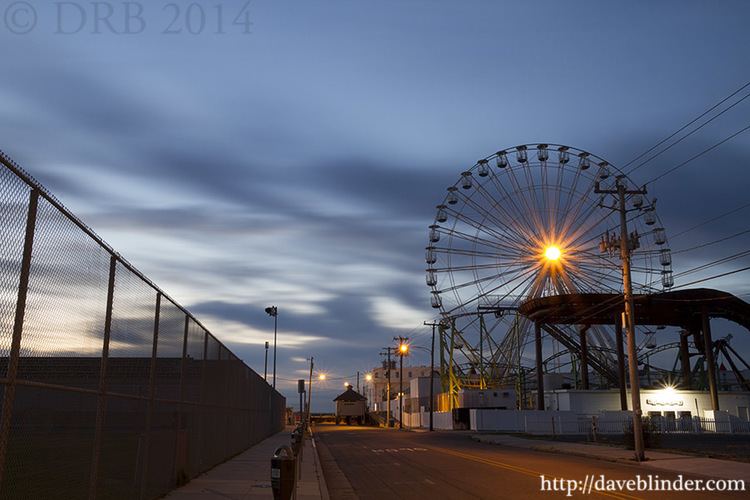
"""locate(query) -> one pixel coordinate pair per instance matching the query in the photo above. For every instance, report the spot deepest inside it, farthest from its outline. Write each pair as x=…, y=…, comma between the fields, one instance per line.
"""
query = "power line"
x=695, y=157
x=713, y=263
x=687, y=125
x=715, y=276
x=713, y=219
x=711, y=242
x=686, y=135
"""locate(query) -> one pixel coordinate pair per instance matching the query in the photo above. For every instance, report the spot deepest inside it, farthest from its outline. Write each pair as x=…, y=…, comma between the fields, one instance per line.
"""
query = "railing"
x=110, y=388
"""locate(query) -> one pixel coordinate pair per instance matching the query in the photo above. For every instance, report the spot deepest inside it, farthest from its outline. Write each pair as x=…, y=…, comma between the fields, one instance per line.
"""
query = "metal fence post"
x=202, y=400
x=150, y=410
x=180, y=434
x=182, y=371
x=15, y=349
x=101, y=407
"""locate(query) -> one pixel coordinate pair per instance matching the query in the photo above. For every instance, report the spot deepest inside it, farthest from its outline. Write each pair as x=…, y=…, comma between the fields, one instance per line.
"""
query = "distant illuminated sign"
x=666, y=397
x=657, y=402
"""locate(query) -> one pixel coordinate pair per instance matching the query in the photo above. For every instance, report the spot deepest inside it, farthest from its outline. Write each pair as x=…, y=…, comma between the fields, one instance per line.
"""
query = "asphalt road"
x=366, y=462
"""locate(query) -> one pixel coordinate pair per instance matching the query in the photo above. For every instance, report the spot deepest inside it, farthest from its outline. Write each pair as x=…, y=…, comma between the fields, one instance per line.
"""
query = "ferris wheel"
x=527, y=222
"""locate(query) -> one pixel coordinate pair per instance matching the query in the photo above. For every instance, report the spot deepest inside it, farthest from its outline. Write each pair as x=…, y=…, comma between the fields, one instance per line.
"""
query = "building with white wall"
x=654, y=402
x=376, y=389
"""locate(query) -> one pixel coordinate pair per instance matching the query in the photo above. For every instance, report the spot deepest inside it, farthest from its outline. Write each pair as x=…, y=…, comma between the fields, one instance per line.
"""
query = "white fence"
x=528, y=421
x=611, y=422
x=440, y=420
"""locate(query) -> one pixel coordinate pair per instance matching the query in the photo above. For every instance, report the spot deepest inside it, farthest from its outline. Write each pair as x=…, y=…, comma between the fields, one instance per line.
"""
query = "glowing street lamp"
x=322, y=376
x=366, y=387
x=403, y=350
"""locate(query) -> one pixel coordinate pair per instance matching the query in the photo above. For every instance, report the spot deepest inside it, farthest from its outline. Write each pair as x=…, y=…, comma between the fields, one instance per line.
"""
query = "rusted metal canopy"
x=682, y=308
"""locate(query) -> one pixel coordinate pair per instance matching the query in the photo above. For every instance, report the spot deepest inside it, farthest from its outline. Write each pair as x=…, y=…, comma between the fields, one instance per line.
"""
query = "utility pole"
x=388, y=385
x=309, y=392
x=357, y=380
x=301, y=390
x=627, y=244
x=432, y=370
x=403, y=349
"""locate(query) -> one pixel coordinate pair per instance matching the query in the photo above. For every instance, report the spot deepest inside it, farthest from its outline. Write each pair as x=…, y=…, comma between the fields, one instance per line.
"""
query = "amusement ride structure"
x=533, y=237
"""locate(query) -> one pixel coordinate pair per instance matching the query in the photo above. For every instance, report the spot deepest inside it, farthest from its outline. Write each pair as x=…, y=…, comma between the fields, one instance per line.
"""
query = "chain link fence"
x=109, y=388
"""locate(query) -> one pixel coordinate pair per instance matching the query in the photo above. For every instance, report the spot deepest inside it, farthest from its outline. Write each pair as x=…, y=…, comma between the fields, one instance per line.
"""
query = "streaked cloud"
x=300, y=165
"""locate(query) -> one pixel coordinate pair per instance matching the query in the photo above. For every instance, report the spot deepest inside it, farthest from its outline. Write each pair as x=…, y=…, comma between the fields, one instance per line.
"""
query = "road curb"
x=337, y=480
x=319, y=469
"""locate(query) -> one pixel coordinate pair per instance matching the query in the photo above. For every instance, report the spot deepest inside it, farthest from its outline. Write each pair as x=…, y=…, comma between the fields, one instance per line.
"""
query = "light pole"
x=403, y=350
x=368, y=378
x=309, y=391
x=432, y=371
x=321, y=377
x=626, y=244
x=273, y=311
x=265, y=365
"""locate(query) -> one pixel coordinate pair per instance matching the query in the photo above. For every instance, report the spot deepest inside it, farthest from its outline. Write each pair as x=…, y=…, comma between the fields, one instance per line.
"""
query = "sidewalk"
x=248, y=475
x=681, y=464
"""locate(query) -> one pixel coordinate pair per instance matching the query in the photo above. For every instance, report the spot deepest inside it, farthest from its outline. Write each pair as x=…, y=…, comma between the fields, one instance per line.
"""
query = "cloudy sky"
x=292, y=152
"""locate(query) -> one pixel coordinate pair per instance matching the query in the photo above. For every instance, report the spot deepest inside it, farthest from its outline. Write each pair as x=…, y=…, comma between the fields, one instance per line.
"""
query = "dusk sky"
x=299, y=164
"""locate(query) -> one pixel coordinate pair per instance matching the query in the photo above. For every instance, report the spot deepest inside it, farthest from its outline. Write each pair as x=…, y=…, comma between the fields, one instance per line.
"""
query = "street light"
x=365, y=387
x=321, y=377
x=273, y=311
x=403, y=350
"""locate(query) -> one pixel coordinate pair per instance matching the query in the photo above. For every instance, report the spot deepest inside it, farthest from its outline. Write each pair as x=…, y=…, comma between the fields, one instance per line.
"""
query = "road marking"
x=395, y=450
x=428, y=481
x=521, y=470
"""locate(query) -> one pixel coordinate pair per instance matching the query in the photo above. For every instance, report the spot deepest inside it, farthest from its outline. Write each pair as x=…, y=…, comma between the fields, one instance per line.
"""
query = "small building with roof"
x=351, y=406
